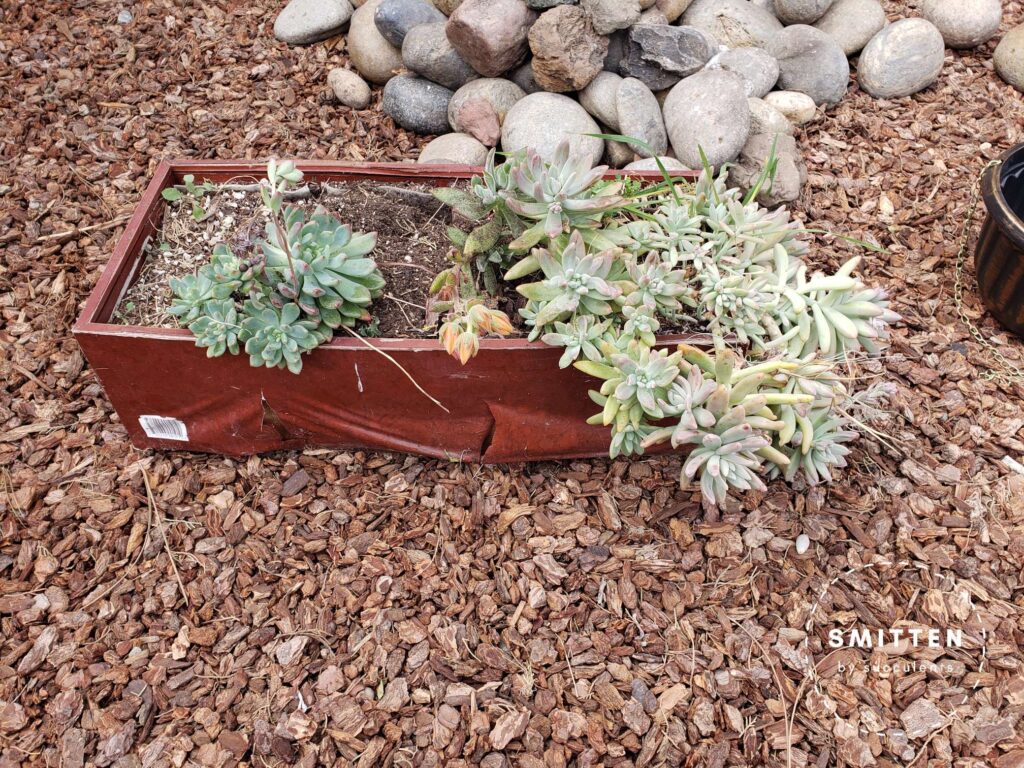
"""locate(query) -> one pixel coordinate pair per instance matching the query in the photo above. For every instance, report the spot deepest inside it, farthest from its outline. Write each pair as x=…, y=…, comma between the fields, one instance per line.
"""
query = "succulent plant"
x=657, y=286
x=277, y=338
x=636, y=384
x=641, y=327
x=229, y=272
x=191, y=295
x=321, y=266
x=217, y=330
x=460, y=333
x=573, y=281
x=582, y=335
x=817, y=446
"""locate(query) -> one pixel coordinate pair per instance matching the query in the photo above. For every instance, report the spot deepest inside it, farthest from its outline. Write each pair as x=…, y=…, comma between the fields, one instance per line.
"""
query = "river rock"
x=453, y=148
x=617, y=154
x=600, y=98
x=640, y=117
x=427, y=52
x=672, y=9
x=653, y=16
x=416, y=104
x=811, y=62
x=651, y=164
x=394, y=18
x=708, y=110
x=491, y=34
x=308, y=21
x=447, y=7
x=798, y=108
x=851, y=23
x=1009, y=58
x=790, y=171
x=349, y=88
x=376, y=59
x=902, y=59
x=567, y=52
x=479, y=108
x=964, y=23
x=543, y=5
x=544, y=120
x=660, y=55
x=801, y=11
x=523, y=77
x=733, y=23
x=757, y=67
x=610, y=15
x=764, y=118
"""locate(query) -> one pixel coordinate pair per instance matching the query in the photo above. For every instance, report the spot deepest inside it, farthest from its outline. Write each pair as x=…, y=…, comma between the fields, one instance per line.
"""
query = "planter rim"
x=172, y=170
x=998, y=208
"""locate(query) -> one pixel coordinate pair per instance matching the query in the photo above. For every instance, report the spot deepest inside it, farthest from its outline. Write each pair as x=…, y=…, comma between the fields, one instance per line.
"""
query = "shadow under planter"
x=511, y=403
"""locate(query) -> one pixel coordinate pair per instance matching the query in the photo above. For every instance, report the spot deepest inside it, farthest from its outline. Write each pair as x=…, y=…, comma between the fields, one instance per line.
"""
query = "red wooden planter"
x=511, y=403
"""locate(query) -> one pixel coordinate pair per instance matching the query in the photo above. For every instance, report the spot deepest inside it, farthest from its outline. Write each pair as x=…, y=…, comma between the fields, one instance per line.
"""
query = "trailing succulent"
x=311, y=275
x=606, y=265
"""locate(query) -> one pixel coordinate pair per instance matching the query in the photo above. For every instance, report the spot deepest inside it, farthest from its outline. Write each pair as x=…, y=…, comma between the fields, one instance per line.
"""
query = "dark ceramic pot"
x=999, y=255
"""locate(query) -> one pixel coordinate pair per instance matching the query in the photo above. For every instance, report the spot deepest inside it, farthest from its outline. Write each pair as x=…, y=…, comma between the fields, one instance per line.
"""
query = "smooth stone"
x=964, y=23
x=458, y=148
x=308, y=21
x=902, y=59
x=1009, y=57
x=491, y=34
x=567, y=52
x=523, y=77
x=618, y=154
x=427, y=52
x=600, y=99
x=544, y=120
x=376, y=59
x=640, y=117
x=790, y=171
x=798, y=108
x=852, y=23
x=417, y=105
x=764, y=118
x=811, y=62
x=447, y=7
x=801, y=11
x=672, y=9
x=733, y=23
x=708, y=110
x=349, y=88
x=653, y=16
x=660, y=55
x=610, y=15
x=757, y=67
x=479, y=108
x=394, y=18
x=651, y=164
x=543, y=5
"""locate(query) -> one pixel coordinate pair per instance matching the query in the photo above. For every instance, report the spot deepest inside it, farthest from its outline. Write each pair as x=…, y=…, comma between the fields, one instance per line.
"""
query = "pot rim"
x=1011, y=225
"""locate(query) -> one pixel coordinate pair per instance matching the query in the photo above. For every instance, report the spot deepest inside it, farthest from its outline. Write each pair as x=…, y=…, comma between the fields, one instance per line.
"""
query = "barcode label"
x=164, y=428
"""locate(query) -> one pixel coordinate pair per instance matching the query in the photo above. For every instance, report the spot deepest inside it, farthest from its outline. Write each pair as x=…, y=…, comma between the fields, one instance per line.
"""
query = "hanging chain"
x=1007, y=372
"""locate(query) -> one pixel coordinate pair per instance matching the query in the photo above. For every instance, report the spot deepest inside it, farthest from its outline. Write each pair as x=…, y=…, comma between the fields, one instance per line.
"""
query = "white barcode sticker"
x=164, y=428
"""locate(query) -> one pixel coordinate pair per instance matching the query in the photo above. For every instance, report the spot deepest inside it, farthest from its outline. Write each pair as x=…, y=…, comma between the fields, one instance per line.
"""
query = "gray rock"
x=616, y=50
x=650, y=164
x=349, y=88
x=653, y=16
x=479, y=107
x=790, y=171
x=672, y=9
x=798, y=108
x=427, y=52
x=376, y=59
x=600, y=99
x=902, y=59
x=811, y=62
x=851, y=23
x=394, y=18
x=567, y=51
x=447, y=7
x=733, y=23
x=660, y=55
x=491, y=34
x=610, y=15
x=757, y=67
x=1009, y=58
x=416, y=104
x=307, y=21
x=640, y=117
x=617, y=154
x=708, y=110
x=541, y=5
x=764, y=118
x=964, y=23
x=544, y=120
x=456, y=148
x=523, y=77
x=801, y=11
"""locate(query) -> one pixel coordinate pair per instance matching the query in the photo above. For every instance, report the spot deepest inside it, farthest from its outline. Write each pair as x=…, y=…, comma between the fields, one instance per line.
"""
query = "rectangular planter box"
x=511, y=403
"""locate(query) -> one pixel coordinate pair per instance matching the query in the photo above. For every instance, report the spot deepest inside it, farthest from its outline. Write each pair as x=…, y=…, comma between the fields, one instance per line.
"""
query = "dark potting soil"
x=412, y=248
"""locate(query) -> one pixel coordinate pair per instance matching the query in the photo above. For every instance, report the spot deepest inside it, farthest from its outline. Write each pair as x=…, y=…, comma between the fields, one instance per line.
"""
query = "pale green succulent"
x=658, y=286
x=581, y=336
x=191, y=295
x=218, y=329
x=636, y=383
x=277, y=338
x=818, y=446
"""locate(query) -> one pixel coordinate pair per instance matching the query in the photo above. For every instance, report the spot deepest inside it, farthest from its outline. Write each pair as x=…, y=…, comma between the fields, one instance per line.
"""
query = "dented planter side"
x=511, y=403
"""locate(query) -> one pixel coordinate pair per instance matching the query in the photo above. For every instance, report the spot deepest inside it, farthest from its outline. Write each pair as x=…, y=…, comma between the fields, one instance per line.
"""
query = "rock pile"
x=729, y=78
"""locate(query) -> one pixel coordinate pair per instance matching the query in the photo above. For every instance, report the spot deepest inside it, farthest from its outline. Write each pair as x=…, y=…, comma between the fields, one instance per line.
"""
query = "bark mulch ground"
x=367, y=609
